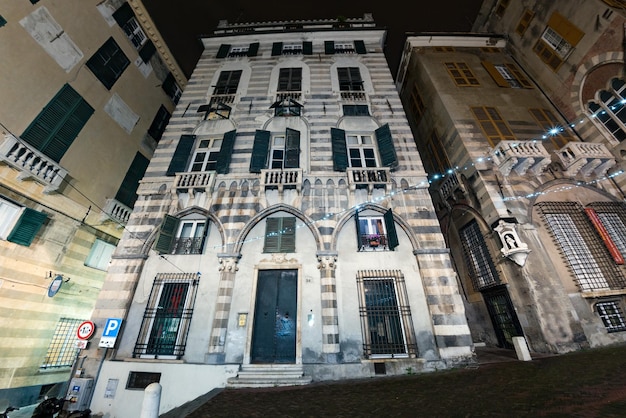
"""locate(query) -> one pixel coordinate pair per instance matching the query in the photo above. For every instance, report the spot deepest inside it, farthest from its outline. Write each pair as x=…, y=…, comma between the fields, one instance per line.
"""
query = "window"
x=416, y=104
x=287, y=107
x=501, y=7
x=226, y=50
x=62, y=350
x=610, y=111
x=58, y=124
x=461, y=74
x=559, y=134
x=275, y=150
x=108, y=63
x=358, y=150
x=613, y=218
x=100, y=255
x=492, y=125
x=141, y=380
x=434, y=156
x=3, y=21
x=361, y=151
x=171, y=88
x=507, y=75
x=557, y=41
x=125, y=17
x=480, y=267
x=524, y=22
x=280, y=235
x=127, y=193
x=27, y=226
x=386, y=321
x=290, y=79
x=159, y=123
x=206, y=155
x=297, y=48
x=332, y=47
x=9, y=214
x=376, y=232
x=611, y=315
x=182, y=235
x=356, y=110
x=350, y=79
x=165, y=325
x=202, y=158
x=227, y=82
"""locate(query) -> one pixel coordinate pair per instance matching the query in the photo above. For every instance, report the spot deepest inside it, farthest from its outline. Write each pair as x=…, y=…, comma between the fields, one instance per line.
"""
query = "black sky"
x=181, y=23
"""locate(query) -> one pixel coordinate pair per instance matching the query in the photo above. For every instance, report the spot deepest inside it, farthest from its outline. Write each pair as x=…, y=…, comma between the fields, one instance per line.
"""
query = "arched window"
x=610, y=110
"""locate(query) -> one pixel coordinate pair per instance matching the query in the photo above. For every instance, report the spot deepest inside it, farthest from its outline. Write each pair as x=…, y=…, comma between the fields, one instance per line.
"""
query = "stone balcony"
x=369, y=178
x=585, y=158
x=32, y=164
x=280, y=179
x=194, y=188
x=353, y=96
x=522, y=157
x=116, y=211
x=449, y=187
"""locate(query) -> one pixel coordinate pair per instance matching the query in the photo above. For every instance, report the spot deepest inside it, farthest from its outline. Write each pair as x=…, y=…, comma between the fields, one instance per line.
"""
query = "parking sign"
x=110, y=332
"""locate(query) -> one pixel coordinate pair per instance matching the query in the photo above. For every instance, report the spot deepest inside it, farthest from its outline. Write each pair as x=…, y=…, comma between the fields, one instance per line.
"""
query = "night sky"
x=181, y=23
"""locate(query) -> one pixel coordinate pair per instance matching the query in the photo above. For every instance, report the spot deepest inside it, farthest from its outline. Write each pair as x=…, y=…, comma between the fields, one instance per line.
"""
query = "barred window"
x=480, y=266
x=62, y=350
x=612, y=316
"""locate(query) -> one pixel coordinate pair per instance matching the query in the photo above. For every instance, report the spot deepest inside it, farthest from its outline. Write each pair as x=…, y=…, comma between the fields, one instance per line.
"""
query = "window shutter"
x=123, y=14
x=166, y=234
x=169, y=85
x=277, y=48
x=127, y=193
x=223, y=51
x=272, y=236
x=292, y=148
x=147, y=51
x=359, y=242
x=340, y=150
x=390, y=225
x=181, y=155
x=253, y=49
x=385, y=146
x=329, y=47
x=288, y=235
x=307, y=48
x=27, y=227
x=260, y=149
x=226, y=152
x=58, y=124
x=108, y=63
x=280, y=235
x=493, y=72
x=565, y=28
x=159, y=123
x=519, y=76
x=359, y=47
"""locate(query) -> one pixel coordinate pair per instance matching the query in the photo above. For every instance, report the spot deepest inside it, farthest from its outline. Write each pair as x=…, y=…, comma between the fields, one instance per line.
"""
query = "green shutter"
x=166, y=234
x=147, y=51
x=223, y=51
x=253, y=49
x=359, y=242
x=359, y=47
x=3, y=21
x=181, y=155
x=58, y=124
x=277, y=48
x=260, y=148
x=27, y=227
x=292, y=148
x=329, y=47
x=226, y=152
x=385, y=146
x=307, y=48
x=340, y=150
x=123, y=14
x=392, y=235
x=280, y=235
x=288, y=235
x=108, y=63
x=272, y=236
x=127, y=193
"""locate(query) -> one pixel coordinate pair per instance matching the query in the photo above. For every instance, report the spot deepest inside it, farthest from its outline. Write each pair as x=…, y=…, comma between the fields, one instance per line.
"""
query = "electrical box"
x=79, y=393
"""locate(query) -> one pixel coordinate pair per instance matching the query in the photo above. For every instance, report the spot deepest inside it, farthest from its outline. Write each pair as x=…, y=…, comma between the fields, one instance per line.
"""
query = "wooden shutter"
x=359, y=47
x=147, y=51
x=280, y=235
x=493, y=72
x=272, y=236
x=226, y=152
x=223, y=51
x=166, y=234
x=565, y=28
x=159, y=123
x=385, y=146
x=277, y=48
x=359, y=241
x=292, y=148
x=108, y=63
x=253, y=49
x=340, y=149
x=307, y=48
x=288, y=235
x=260, y=148
x=390, y=225
x=123, y=14
x=178, y=163
x=58, y=124
x=127, y=193
x=329, y=47
x=27, y=227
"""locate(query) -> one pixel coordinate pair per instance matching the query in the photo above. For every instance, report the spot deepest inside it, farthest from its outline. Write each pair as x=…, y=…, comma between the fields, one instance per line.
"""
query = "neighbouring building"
x=283, y=233
x=521, y=127
x=80, y=116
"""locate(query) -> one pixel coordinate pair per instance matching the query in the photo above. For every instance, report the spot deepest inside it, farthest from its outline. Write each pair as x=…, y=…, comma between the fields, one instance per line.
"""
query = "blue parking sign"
x=110, y=332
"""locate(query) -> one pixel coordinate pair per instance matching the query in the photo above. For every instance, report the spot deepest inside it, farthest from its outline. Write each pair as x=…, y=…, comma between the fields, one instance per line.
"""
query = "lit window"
x=610, y=109
x=557, y=41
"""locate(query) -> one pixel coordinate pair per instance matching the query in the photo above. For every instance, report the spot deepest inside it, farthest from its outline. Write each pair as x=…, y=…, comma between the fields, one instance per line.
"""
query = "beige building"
x=521, y=128
x=87, y=88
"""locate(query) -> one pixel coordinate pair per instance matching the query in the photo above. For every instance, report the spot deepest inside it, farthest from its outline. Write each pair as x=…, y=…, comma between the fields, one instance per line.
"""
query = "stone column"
x=330, y=323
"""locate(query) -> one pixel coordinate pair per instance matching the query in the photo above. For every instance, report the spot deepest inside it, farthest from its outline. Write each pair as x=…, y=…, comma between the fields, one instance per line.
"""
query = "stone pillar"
x=330, y=323
x=228, y=268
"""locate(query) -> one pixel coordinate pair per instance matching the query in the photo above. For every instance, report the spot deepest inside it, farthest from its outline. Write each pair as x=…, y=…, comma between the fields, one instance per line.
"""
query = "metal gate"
x=503, y=317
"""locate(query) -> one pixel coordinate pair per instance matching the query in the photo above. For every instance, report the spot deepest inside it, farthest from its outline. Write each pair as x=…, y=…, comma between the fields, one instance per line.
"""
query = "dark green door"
x=505, y=322
x=274, y=331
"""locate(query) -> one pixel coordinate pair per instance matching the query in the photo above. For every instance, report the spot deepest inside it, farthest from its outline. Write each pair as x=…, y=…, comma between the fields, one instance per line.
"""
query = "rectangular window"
x=290, y=79
x=350, y=79
x=27, y=227
x=280, y=235
x=275, y=150
x=461, y=74
x=62, y=350
x=611, y=315
x=613, y=218
x=108, y=63
x=524, y=22
x=376, y=232
x=557, y=41
x=100, y=255
x=507, y=75
x=127, y=193
x=492, y=125
x=501, y=7
x=9, y=215
x=356, y=110
x=481, y=269
x=361, y=151
x=206, y=155
x=190, y=236
x=386, y=322
x=168, y=313
x=141, y=380
x=159, y=123
x=416, y=104
x=559, y=133
x=227, y=82
x=171, y=88
x=434, y=155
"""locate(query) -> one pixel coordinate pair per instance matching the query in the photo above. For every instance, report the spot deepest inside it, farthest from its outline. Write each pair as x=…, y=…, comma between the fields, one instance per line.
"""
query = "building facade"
x=80, y=118
x=283, y=233
x=520, y=127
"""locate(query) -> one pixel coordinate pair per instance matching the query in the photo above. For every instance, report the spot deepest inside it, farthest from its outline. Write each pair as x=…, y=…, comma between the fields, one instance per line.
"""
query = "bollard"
x=521, y=348
x=151, y=401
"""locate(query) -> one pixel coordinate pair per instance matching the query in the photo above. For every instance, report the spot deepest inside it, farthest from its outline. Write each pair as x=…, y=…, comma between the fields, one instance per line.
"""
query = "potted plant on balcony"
x=374, y=240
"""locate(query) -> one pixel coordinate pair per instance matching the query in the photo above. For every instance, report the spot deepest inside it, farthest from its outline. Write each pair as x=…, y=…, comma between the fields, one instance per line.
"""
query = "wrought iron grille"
x=611, y=315
x=613, y=217
x=188, y=246
x=168, y=315
x=62, y=350
x=386, y=321
x=581, y=246
x=478, y=260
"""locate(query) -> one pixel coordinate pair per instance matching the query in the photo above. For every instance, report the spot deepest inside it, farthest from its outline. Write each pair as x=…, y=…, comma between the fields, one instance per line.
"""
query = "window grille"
x=613, y=217
x=612, y=316
x=62, y=350
x=386, y=320
x=477, y=258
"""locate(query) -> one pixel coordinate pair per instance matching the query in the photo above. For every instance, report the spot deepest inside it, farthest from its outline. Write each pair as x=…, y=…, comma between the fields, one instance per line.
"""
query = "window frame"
x=227, y=82
x=100, y=254
x=614, y=321
x=108, y=63
x=478, y=260
x=210, y=147
x=350, y=79
x=557, y=41
x=493, y=126
x=461, y=74
x=524, y=22
x=62, y=350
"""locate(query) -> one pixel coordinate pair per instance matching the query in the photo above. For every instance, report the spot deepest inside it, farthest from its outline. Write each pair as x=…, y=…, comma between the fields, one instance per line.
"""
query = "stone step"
x=269, y=375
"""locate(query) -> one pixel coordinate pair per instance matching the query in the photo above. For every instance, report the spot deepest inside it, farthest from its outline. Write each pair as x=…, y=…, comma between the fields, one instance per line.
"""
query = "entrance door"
x=503, y=317
x=274, y=330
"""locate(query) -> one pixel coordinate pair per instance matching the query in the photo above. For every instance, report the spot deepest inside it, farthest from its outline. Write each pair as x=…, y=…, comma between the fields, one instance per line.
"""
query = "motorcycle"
x=49, y=407
x=5, y=414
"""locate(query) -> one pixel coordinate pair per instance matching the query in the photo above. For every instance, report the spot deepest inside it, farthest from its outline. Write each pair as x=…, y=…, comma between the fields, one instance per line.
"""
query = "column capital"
x=228, y=262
